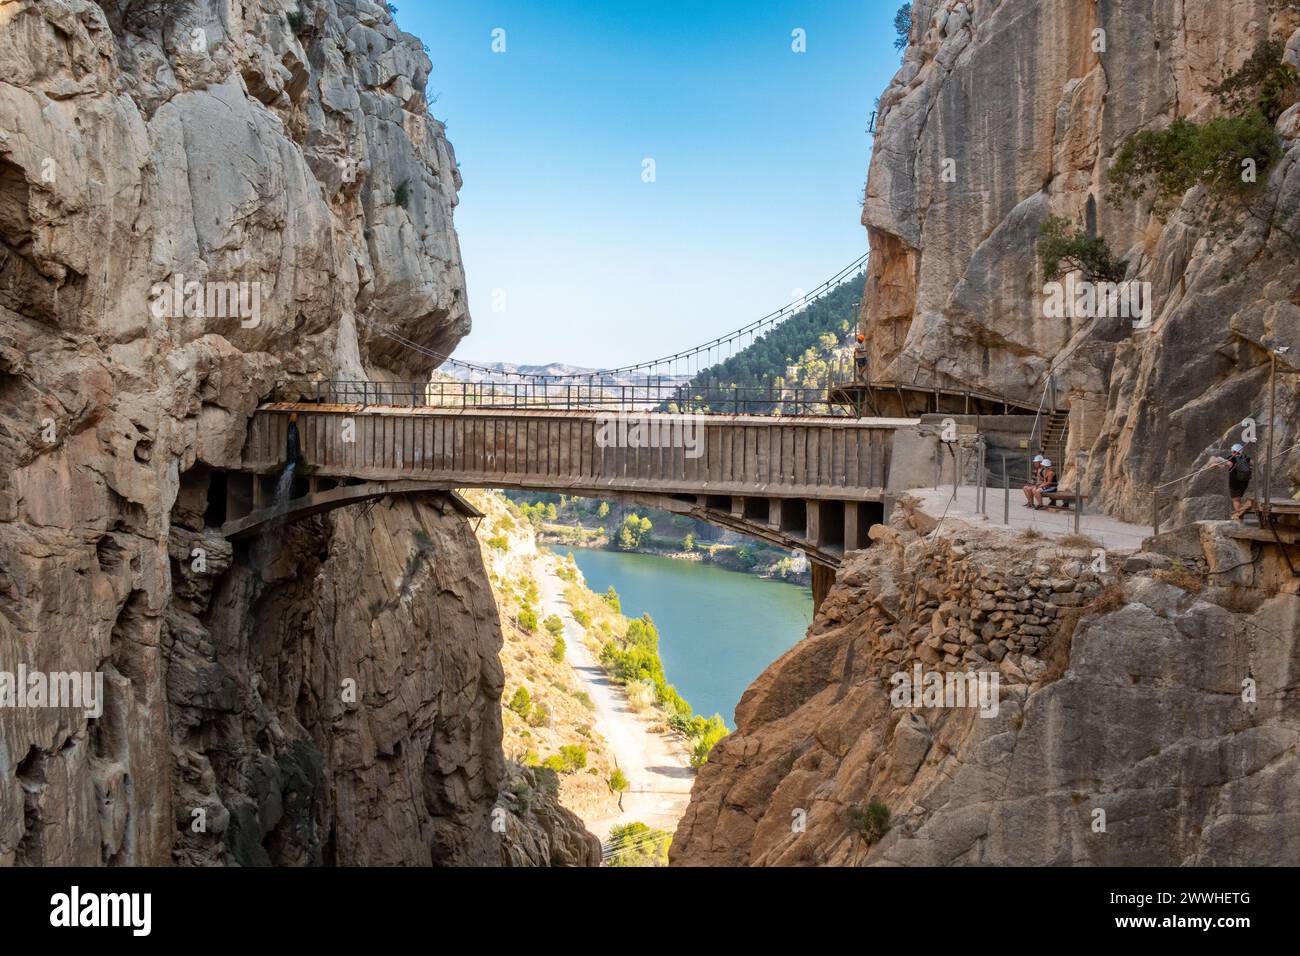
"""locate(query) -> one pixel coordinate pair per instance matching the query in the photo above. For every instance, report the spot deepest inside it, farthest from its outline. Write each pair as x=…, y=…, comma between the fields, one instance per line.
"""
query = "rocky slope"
x=1025, y=104
x=1123, y=735
x=289, y=147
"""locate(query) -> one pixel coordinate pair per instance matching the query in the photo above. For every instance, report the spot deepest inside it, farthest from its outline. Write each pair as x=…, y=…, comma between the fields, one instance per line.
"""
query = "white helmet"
x=1238, y=447
x=1047, y=463
x=1037, y=459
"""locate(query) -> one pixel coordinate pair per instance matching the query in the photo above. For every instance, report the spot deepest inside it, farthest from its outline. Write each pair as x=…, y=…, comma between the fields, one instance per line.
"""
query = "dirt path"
x=657, y=766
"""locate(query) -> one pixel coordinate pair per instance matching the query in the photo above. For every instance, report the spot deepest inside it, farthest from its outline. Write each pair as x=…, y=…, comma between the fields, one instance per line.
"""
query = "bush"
x=632, y=532
x=871, y=821
x=402, y=194
x=610, y=597
x=297, y=21
x=541, y=715
x=570, y=759
x=527, y=619
x=499, y=542
x=1264, y=83
x=640, y=695
x=1062, y=249
x=688, y=542
x=635, y=844
x=554, y=624
x=522, y=702
x=585, y=700
x=618, y=780
x=557, y=650
x=1165, y=164
x=705, y=734
x=582, y=617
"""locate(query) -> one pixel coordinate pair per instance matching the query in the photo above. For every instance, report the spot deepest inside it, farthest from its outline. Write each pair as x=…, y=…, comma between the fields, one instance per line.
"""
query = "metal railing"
x=643, y=397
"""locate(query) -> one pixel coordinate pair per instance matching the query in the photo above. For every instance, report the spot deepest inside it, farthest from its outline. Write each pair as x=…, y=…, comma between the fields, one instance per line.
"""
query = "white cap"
x=1038, y=458
x=1047, y=463
x=1239, y=447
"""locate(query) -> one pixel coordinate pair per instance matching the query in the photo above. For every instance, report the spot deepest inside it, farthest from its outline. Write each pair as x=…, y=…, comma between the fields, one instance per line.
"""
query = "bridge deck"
x=576, y=451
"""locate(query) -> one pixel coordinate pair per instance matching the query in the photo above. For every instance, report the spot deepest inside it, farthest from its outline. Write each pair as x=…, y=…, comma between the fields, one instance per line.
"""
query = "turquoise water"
x=718, y=630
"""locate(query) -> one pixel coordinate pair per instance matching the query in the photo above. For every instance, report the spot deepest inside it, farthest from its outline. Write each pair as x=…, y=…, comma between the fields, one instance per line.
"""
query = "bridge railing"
x=567, y=395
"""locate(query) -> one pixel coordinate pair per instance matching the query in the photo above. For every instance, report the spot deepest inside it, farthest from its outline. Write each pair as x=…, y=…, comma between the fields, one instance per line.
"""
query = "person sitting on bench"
x=1034, y=480
x=1046, y=484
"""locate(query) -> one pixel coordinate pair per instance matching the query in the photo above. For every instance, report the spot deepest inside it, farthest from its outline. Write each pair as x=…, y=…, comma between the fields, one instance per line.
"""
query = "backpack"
x=1242, y=467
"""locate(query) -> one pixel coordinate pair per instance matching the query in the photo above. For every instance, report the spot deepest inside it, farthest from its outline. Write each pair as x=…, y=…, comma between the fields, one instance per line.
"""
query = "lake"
x=718, y=630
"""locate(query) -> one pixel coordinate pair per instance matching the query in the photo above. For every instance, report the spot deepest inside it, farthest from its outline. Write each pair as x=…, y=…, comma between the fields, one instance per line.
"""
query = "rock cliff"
x=326, y=695
x=1153, y=720
x=1005, y=112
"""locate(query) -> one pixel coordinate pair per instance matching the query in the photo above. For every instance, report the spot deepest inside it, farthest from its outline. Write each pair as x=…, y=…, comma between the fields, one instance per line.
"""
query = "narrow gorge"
x=251, y=484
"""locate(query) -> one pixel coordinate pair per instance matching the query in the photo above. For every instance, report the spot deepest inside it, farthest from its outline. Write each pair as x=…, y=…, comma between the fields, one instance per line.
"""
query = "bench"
x=1063, y=500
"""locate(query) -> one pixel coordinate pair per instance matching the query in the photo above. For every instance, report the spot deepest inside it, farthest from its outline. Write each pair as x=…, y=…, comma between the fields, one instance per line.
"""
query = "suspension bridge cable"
x=683, y=357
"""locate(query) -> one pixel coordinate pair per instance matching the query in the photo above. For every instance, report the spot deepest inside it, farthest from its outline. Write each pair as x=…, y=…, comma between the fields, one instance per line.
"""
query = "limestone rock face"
x=1004, y=113
x=1133, y=715
x=144, y=147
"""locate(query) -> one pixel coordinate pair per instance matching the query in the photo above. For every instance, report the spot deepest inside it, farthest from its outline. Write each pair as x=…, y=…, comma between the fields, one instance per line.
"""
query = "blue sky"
x=760, y=155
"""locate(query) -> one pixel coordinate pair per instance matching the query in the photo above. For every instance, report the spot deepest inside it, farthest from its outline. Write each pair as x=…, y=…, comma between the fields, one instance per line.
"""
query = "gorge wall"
x=1147, y=714
x=1125, y=731
x=287, y=146
x=1025, y=103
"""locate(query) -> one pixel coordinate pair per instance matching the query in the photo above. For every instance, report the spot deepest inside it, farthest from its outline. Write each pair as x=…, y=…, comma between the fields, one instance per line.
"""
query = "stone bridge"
x=816, y=484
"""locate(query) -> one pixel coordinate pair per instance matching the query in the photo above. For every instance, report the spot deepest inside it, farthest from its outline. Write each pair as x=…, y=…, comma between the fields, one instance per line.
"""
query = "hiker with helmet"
x=1046, y=484
x=1034, y=480
x=1240, y=469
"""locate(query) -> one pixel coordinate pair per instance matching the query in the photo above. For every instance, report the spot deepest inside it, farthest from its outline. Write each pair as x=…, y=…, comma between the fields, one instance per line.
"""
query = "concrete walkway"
x=1108, y=532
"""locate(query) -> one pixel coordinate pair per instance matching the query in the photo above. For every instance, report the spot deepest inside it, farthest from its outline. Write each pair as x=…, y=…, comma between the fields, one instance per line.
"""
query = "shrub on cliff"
x=527, y=619
x=1063, y=248
x=557, y=650
x=872, y=821
x=610, y=597
x=554, y=625
x=1230, y=156
x=521, y=702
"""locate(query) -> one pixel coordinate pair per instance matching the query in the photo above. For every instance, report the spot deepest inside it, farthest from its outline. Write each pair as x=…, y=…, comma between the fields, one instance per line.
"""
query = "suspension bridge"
x=806, y=468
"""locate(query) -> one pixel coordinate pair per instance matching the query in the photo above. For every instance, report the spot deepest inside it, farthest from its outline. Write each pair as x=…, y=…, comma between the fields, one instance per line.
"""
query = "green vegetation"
x=1264, y=83
x=499, y=542
x=402, y=194
x=540, y=716
x=688, y=542
x=557, y=650
x=902, y=26
x=632, y=532
x=871, y=821
x=635, y=844
x=582, y=617
x=554, y=625
x=527, y=619
x=1063, y=249
x=797, y=352
x=611, y=598
x=521, y=703
x=704, y=734
x=297, y=21
x=570, y=759
x=1230, y=155
x=618, y=780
